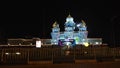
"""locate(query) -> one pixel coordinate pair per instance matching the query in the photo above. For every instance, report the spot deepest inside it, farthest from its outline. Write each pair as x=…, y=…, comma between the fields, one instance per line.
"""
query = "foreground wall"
x=56, y=54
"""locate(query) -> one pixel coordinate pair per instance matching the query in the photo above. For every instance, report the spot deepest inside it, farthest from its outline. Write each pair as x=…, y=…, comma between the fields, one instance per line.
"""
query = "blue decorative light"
x=69, y=36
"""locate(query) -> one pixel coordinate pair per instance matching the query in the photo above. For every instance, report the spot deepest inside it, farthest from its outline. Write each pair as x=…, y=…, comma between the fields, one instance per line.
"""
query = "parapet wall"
x=54, y=54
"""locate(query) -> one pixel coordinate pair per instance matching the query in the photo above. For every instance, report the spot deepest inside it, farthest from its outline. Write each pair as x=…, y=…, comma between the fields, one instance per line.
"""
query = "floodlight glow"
x=38, y=44
x=67, y=52
x=86, y=44
x=77, y=40
x=83, y=39
x=78, y=25
x=18, y=53
x=8, y=44
x=68, y=43
x=7, y=53
x=96, y=43
x=85, y=52
x=19, y=43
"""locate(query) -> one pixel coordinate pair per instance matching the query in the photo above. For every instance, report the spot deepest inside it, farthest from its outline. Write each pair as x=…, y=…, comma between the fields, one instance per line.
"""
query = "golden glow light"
x=86, y=44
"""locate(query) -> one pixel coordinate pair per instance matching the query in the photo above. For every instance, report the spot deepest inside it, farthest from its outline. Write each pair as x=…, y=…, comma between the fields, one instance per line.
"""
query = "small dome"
x=69, y=18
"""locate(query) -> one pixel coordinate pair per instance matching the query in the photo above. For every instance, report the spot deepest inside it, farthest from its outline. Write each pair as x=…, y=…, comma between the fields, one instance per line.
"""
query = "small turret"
x=82, y=26
x=83, y=23
x=55, y=27
x=55, y=33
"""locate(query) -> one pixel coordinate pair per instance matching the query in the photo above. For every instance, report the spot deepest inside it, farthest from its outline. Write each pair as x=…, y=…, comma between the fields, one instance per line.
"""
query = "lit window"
x=38, y=44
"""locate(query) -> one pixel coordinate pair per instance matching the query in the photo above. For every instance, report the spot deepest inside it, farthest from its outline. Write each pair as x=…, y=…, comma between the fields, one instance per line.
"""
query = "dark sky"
x=35, y=19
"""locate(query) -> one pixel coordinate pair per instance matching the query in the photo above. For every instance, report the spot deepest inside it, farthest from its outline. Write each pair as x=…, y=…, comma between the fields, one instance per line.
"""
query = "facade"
x=22, y=41
x=71, y=36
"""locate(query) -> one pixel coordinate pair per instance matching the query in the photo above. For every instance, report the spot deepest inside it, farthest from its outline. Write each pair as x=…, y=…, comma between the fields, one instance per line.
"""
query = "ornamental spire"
x=83, y=23
x=69, y=16
x=55, y=24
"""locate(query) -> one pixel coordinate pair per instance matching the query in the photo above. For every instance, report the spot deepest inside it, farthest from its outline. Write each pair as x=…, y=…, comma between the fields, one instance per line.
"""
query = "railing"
x=24, y=55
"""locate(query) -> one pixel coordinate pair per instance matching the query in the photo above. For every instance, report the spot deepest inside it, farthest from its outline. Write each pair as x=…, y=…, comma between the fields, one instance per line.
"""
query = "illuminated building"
x=74, y=34
x=48, y=51
x=70, y=36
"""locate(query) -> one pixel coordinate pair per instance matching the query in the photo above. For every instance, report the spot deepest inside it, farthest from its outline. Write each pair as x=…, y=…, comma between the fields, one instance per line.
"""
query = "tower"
x=82, y=33
x=55, y=33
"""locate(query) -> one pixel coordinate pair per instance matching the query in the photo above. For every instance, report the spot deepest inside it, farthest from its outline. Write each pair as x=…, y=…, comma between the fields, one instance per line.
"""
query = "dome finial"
x=55, y=24
x=69, y=16
x=83, y=22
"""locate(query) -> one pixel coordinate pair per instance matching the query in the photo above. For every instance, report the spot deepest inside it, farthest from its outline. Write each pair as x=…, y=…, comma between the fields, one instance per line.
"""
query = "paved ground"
x=80, y=65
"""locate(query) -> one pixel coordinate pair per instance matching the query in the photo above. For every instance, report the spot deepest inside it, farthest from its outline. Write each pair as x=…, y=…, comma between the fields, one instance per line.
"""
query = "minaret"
x=83, y=32
x=83, y=23
x=55, y=33
x=83, y=26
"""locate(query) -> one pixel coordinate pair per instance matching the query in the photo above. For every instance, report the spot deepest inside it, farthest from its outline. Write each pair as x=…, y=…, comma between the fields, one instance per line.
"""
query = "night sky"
x=35, y=19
